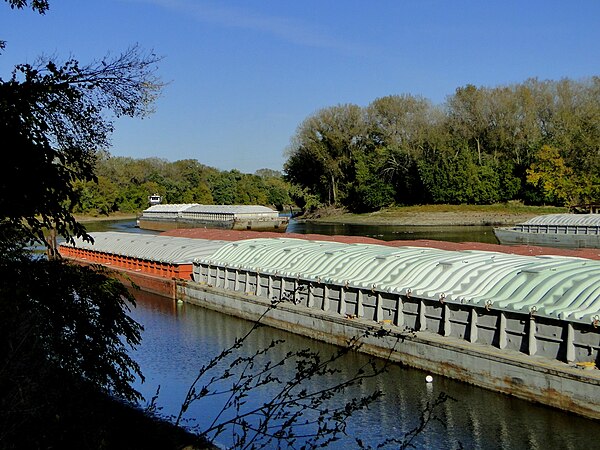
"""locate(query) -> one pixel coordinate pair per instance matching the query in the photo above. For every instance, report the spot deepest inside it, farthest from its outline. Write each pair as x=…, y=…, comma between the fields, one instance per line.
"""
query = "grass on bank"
x=501, y=213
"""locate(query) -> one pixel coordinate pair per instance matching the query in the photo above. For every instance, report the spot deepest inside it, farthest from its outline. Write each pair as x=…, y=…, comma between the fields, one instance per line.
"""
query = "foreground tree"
x=53, y=122
x=63, y=329
x=277, y=397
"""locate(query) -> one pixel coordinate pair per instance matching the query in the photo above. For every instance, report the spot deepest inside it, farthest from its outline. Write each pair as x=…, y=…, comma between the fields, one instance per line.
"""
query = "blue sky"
x=244, y=74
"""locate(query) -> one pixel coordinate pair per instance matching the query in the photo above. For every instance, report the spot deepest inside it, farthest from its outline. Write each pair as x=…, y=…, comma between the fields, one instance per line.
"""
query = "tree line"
x=536, y=141
x=124, y=184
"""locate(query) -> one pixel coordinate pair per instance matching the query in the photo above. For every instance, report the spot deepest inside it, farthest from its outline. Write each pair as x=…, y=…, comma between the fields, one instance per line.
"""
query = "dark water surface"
x=179, y=338
x=449, y=233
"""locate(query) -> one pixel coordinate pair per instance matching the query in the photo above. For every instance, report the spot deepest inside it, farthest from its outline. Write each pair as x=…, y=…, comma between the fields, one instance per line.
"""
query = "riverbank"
x=435, y=215
x=86, y=218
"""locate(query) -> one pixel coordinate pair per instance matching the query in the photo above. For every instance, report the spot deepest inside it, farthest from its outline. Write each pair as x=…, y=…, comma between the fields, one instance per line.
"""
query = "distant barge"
x=554, y=230
x=229, y=217
x=522, y=325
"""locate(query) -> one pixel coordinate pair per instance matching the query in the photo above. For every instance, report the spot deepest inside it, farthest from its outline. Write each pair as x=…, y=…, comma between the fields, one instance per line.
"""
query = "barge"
x=526, y=326
x=193, y=215
x=554, y=230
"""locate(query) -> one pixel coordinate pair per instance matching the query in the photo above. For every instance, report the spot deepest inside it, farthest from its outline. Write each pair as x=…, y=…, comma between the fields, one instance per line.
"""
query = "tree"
x=371, y=191
x=399, y=122
x=303, y=409
x=459, y=179
x=469, y=117
x=41, y=6
x=321, y=151
x=550, y=173
x=278, y=193
x=62, y=327
x=268, y=173
x=53, y=124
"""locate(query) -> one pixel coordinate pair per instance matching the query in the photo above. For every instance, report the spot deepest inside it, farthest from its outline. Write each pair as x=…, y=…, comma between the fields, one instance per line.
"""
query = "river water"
x=452, y=233
x=179, y=338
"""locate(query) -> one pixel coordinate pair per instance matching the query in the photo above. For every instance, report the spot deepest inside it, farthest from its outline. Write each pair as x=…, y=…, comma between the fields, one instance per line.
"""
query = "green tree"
x=468, y=117
x=321, y=152
x=251, y=190
x=370, y=191
x=268, y=173
x=278, y=193
x=223, y=186
x=457, y=179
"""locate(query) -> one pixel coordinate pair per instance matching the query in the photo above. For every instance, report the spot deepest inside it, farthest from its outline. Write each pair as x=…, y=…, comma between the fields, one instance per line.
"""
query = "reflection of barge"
x=554, y=230
x=230, y=217
x=521, y=325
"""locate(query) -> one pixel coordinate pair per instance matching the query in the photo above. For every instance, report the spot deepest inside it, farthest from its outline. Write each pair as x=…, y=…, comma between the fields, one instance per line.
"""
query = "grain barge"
x=521, y=325
x=193, y=215
x=554, y=230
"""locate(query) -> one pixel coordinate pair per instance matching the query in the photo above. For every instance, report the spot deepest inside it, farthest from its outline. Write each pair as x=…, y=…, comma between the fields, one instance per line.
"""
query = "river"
x=179, y=338
x=449, y=233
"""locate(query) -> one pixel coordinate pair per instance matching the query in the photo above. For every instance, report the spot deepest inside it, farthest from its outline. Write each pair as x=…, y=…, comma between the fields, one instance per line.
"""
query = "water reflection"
x=448, y=233
x=179, y=338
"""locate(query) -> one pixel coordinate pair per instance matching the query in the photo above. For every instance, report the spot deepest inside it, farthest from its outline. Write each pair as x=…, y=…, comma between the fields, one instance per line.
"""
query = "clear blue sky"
x=244, y=74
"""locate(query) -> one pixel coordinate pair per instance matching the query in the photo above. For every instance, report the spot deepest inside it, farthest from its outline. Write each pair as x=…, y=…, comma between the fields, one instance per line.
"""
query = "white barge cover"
x=166, y=249
x=171, y=210
x=557, y=287
x=585, y=220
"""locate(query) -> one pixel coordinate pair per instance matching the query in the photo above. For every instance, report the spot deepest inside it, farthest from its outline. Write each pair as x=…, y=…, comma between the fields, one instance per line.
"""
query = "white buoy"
x=429, y=379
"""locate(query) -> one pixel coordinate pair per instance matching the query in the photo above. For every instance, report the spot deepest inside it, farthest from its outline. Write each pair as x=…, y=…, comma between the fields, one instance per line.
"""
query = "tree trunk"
x=333, y=191
x=52, y=245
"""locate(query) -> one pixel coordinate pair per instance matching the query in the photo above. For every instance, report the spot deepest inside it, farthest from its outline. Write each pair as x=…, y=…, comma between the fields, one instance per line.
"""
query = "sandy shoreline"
x=81, y=218
x=448, y=218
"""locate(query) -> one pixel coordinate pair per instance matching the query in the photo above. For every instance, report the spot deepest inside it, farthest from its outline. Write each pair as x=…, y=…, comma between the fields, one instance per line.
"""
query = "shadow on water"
x=179, y=338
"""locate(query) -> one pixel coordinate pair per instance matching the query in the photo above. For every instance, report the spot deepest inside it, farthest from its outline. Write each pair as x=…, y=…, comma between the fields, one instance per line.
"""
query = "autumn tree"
x=551, y=174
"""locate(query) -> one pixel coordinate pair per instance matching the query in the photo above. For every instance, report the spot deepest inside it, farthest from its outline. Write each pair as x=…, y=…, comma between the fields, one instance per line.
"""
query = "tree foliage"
x=62, y=327
x=53, y=121
x=124, y=184
x=306, y=396
x=67, y=318
x=41, y=6
x=476, y=148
